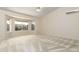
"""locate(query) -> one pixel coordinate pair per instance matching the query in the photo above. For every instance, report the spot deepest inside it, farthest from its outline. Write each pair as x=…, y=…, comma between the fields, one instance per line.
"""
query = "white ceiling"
x=31, y=10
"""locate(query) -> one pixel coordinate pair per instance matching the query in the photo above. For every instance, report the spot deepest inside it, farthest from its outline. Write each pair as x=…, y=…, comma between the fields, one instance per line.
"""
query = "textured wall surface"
x=58, y=23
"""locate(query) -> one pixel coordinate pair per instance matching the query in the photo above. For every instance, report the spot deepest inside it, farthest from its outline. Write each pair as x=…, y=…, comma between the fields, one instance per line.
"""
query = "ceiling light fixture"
x=72, y=11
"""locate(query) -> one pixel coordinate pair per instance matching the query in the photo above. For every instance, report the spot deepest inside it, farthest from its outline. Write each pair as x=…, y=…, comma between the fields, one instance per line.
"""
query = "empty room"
x=39, y=29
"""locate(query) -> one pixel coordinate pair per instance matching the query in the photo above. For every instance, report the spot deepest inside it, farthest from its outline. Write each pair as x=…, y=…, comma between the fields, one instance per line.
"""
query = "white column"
x=12, y=25
x=29, y=27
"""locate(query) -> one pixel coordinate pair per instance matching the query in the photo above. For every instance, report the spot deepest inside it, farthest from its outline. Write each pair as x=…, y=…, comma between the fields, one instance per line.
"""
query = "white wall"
x=58, y=23
x=2, y=26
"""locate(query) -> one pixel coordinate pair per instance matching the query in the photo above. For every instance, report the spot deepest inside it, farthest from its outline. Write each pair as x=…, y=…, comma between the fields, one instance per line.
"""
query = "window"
x=14, y=24
x=21, y=25
x=33, y=26
x=8, y=25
